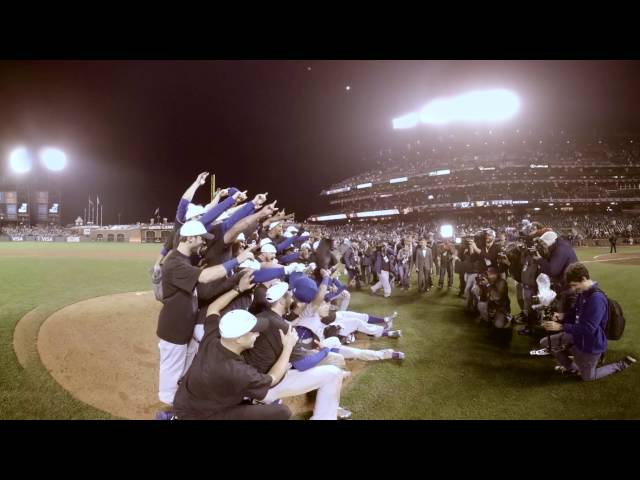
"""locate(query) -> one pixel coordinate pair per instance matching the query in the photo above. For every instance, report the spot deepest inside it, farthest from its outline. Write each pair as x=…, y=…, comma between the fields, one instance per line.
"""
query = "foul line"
x=610, y=259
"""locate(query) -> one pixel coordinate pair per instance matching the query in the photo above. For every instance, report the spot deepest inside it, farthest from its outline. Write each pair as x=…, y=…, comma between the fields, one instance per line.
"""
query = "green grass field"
x=453, y=369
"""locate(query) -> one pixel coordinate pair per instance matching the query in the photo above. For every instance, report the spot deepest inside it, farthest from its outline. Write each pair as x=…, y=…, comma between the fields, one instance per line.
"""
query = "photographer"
x=446, y=253
x=403, y=263
x=524, y=271
x=351, y=261
x=493, y=293
x=497, y=255
x=431, y=244
x=424, y=264
x=553, y=255
x=472, y=263
x=582, y=330
x=367, y=262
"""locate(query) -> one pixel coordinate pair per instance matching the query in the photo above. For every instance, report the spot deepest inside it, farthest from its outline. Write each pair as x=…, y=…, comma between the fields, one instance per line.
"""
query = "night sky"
x=137, y=133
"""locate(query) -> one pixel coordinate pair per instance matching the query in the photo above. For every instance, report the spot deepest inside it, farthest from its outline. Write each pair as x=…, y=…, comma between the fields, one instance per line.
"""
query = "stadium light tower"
x=446, y=231
x=53, y=159
x=20, y=160
x=482, y=106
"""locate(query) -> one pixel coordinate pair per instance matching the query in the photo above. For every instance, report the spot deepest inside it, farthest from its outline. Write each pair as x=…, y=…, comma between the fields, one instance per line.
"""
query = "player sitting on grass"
x=317, y=326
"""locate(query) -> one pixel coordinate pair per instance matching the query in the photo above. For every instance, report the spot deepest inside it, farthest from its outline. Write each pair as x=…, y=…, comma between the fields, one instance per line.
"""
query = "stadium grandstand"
x=486, y=172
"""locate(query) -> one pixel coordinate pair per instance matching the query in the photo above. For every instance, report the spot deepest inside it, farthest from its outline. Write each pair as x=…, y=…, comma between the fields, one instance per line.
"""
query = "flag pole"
x=213, y=187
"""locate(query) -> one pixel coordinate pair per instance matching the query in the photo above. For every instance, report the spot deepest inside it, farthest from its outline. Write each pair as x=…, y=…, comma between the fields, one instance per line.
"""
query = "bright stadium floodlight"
x=487, y=106
x=479, y=106
x=53, y=159
x=19, y=160
x=446, y=231
x=406, y=121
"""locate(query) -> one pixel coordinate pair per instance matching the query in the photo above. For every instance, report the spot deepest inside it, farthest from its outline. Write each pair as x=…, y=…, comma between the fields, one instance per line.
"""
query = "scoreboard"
x=29, y=207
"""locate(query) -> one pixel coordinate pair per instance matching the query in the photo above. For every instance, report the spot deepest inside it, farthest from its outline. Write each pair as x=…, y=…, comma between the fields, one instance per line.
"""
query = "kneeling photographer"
x=524, y=271
x=553, y=256
x=582, y=330
x=493, y=293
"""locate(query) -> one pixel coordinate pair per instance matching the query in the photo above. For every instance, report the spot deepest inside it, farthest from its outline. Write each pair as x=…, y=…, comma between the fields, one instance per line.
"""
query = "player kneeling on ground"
x=220, y=385
x=582, y=330
x=493, y=298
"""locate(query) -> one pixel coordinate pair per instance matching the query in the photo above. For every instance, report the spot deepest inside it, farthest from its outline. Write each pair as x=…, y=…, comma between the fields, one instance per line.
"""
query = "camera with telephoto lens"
x=482, y=280
x=545, y=312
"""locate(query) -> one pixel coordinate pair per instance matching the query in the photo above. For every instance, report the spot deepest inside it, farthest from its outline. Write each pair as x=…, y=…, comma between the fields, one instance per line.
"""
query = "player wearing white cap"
x=221, y=385
x=304, y=377
x=177, y=317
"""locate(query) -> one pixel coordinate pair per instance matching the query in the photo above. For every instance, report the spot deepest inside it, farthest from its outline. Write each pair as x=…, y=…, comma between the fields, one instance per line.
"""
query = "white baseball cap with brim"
x=194, y=210
x=194, y=228
x=237, y=323
x=549, y=238
x=290, y=232
x=277, y=291
x=250, y=263
x=264, y=241
x=273, y=225
x=268, y=248
x=305, y=245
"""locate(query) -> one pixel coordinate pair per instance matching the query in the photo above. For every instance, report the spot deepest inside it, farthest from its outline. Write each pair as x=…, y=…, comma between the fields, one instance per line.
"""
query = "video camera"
x=545, y=312
x=544, y=302
x=482, y=280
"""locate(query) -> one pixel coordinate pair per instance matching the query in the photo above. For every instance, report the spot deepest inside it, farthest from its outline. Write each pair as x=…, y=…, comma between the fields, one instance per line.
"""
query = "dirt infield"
x=104, y=352
x=618, y=258
x=25, y=332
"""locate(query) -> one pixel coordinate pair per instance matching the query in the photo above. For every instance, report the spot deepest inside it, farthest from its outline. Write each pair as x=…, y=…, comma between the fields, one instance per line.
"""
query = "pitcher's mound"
x=104, y=351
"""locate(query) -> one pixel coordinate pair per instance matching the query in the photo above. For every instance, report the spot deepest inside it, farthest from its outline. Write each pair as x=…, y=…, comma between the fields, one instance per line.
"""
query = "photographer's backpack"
x=616, y=322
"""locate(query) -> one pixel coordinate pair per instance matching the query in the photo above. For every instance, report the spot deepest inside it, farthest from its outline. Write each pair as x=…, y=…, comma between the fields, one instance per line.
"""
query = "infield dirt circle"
x=622, y=258
x=104, y=351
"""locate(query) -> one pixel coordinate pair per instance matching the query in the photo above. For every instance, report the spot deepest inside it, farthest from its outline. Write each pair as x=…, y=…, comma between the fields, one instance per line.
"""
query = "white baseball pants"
x=384, y=283
x=175, y=360
x=350, y=322
x=326, y=379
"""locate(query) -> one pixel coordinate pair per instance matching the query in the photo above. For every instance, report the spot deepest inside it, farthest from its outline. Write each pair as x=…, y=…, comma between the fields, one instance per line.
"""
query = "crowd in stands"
x=576, y=226
x=23, y=231
x=498, y=149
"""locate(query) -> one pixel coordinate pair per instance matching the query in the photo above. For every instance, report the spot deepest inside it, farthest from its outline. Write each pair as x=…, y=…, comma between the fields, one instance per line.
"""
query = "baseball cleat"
x=165, y=415
x=344, y=414
x=565, y=371
x=540, y=353
x=397, y=356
